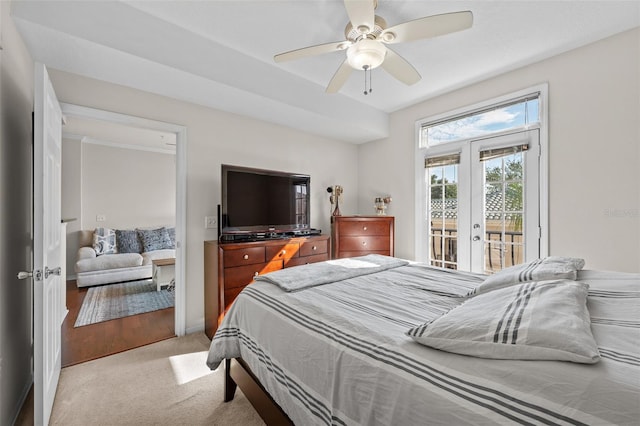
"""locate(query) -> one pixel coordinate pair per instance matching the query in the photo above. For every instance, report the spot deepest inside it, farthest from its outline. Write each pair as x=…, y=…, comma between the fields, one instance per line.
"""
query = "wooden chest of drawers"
x=360, y=235
x=230, y=267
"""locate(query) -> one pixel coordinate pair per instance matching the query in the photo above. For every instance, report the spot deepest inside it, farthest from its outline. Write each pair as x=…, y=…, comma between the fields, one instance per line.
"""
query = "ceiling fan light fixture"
x=366, y=53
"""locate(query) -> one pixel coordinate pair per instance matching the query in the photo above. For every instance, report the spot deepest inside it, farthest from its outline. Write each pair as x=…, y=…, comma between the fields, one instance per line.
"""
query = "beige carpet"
x=166, y=383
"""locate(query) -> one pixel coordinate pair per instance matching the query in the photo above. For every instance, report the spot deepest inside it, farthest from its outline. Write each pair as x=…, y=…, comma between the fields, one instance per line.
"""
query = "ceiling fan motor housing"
x=355, y=34
x=366, y=52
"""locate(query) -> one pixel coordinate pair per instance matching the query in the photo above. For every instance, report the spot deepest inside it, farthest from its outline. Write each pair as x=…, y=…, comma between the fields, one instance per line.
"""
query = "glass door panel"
x=506, y=215
x=442, y=187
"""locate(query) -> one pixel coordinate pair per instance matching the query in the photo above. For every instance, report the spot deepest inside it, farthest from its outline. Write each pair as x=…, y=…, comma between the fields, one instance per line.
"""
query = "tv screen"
x=256, y=201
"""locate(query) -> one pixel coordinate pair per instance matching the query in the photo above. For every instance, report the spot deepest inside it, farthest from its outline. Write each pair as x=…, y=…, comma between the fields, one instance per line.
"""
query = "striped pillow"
x=549, y=268
x=545, y=320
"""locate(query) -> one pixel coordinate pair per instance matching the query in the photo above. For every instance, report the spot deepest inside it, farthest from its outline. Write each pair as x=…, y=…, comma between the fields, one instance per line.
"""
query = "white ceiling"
x=220, y=53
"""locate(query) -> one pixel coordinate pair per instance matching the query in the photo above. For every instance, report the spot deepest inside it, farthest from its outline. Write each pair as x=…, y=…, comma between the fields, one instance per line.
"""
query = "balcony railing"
x=499, y=254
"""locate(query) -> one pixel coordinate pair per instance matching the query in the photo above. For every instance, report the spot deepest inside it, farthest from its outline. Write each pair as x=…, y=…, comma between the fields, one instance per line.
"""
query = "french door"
x=483, y=202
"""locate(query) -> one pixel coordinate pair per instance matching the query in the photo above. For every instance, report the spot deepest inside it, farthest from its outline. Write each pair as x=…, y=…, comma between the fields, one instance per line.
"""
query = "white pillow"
x=104, y=241
x=545, y=320
x=549, y=268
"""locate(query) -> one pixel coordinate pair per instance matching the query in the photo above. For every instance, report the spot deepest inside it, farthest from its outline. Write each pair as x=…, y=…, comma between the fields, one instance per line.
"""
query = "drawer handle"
x=314, y=248
x=245, y=257
x=255, y=274
x=364, y=243
x=364, y=228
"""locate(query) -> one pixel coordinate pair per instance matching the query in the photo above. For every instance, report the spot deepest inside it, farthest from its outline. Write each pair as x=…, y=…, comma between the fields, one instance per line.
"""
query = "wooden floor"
x=109, y=337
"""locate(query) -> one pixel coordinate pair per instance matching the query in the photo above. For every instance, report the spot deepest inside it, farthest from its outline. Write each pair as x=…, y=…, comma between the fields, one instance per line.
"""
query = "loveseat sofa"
x=109, y=256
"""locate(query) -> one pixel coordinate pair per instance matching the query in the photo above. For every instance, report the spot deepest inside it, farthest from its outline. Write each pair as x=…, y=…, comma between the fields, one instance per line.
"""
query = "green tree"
x=450, y=191
x=513, y=178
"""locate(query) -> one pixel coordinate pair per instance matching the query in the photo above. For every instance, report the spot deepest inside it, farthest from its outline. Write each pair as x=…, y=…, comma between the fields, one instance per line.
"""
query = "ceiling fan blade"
x=361, y=12
x=312, y=51
x=339, y=78
x=427, y=27
x=399, y=68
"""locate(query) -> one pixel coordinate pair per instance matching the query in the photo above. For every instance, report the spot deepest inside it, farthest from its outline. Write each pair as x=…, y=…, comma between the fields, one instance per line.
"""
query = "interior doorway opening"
x=178, y=139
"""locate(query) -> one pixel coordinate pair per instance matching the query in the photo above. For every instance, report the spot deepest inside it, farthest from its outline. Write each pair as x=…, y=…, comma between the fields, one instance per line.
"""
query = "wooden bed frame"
x=237, y=373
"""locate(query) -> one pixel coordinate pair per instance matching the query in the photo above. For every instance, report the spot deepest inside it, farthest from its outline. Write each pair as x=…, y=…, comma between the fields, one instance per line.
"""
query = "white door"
x=483, y=202
x=48, y=311
x=505, y=220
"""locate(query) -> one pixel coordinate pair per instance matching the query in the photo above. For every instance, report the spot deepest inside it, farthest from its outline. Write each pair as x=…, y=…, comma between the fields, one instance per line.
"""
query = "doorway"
x=482, y=184
x=483, y=203
x=177, y=322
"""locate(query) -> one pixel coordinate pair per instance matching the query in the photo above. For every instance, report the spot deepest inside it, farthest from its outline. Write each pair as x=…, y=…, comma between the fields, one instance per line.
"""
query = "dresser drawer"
x=344, y=254
x=362, y=227
x=229, y=296
x=308, y=259
x=240, y=276
x=284, y=252
x=310, y=248
x=244, y=256
x=372, y=243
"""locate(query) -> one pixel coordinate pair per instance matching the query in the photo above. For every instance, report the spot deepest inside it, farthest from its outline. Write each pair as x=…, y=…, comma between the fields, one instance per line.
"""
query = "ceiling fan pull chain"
x=365, y=67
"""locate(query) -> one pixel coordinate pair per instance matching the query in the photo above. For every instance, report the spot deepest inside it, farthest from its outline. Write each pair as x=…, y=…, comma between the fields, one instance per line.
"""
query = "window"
x=481, y=184
x=516, y=114
x=442, y=184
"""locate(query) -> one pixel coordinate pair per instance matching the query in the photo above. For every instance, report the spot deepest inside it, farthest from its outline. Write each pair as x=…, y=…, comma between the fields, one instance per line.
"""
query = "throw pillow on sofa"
x=172, y=235
x=154, y=239
x=104, y=241
x=127, y=241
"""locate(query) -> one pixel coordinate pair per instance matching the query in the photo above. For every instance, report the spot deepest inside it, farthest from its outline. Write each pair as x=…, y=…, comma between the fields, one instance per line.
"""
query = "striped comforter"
x=337, y=354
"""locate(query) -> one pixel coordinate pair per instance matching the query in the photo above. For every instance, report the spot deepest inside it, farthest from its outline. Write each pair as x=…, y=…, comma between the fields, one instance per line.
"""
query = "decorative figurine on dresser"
x=353, y=236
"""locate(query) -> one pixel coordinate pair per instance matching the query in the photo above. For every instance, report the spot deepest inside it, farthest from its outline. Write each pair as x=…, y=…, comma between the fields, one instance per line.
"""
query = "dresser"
x=230, y=267
x=360, y=235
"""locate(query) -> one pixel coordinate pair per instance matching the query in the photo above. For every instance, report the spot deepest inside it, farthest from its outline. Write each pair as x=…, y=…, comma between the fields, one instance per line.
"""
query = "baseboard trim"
x=24, y=410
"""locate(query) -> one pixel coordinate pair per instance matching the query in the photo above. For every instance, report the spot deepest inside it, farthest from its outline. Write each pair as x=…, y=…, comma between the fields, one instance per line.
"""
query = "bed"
x=326, y=349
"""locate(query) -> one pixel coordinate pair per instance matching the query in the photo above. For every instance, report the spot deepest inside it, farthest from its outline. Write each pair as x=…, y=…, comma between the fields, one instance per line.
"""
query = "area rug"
x=120, y=300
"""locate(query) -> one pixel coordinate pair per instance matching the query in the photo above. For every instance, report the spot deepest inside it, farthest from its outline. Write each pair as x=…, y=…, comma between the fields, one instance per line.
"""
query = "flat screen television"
x=256, y=201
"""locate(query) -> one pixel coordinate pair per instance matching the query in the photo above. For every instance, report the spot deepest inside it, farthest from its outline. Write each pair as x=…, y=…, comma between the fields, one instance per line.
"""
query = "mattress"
x=338, y=353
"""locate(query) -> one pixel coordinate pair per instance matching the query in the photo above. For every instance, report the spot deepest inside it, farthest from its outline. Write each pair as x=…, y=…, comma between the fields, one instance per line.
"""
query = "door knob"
x=54, y=271
x=37, y=274
x=476, y=238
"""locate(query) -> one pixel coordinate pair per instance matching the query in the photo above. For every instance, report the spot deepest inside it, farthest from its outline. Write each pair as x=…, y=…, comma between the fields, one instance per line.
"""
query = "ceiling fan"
x=367, y=37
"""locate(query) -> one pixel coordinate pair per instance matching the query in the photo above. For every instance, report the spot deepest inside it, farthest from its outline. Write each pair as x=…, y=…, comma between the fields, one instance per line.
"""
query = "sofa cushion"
x=111, y=261
x=127, y=241
x=86, y=253
x=104, y=241
x=148, y=258
x=154, y=239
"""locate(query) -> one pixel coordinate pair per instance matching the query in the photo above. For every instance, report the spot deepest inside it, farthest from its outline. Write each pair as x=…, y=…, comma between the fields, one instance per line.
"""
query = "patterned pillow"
x=104, y=241
x=172, y=236
x=127, y=241
x=154, y=239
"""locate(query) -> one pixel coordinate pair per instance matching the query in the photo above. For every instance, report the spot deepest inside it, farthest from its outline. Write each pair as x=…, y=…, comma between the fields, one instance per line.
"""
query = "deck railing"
x=499, y=254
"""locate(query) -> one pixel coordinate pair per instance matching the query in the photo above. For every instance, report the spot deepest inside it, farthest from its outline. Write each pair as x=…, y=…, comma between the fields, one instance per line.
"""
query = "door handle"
x=37, y=274
x=476, y=238
x=54, y=271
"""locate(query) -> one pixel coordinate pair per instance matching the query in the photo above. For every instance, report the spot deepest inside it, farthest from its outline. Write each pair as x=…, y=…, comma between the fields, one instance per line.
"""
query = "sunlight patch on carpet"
x=189, y=367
